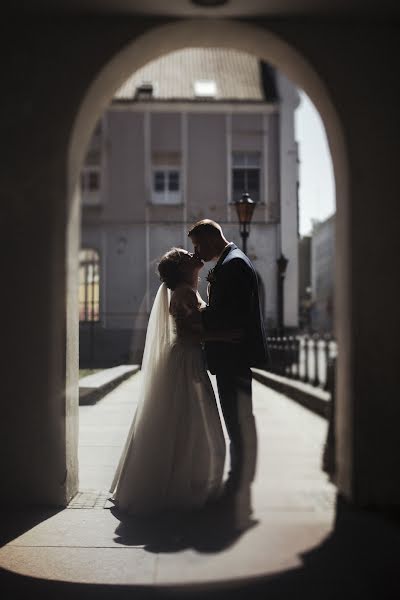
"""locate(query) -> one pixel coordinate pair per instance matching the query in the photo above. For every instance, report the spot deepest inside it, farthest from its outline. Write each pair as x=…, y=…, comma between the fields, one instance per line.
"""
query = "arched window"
x=89, y=285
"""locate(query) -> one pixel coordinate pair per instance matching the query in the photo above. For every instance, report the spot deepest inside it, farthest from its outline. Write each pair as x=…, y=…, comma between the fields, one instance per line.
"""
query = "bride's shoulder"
x=184, y=296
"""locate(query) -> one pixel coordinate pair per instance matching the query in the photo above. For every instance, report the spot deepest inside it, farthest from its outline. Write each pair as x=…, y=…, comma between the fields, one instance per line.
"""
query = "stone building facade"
x=183, y=138
x=322, y=275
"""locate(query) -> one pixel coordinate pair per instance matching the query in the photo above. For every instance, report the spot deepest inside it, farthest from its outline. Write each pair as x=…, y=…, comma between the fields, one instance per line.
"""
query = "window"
x=144, y=90
x=246, y=175
x=166, y=185
x=89, y=285
x=90, y=179
x=90, y=185
x=205, y=88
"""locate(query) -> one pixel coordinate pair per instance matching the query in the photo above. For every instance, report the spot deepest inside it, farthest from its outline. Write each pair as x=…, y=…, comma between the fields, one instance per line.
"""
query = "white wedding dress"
x=175, y=451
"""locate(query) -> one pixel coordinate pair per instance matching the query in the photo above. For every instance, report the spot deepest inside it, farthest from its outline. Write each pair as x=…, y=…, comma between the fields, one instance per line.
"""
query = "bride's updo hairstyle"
x=169, y=267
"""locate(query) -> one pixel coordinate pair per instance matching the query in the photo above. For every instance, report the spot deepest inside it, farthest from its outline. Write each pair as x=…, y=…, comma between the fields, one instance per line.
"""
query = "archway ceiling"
x=233, y=8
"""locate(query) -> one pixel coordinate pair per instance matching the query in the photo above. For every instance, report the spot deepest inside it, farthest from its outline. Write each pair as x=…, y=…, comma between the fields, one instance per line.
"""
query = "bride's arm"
x=185, y=310
x=190, y=324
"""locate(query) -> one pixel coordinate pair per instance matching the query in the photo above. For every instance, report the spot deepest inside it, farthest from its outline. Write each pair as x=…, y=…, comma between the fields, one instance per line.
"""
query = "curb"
x=90, y=392
x=315, y=399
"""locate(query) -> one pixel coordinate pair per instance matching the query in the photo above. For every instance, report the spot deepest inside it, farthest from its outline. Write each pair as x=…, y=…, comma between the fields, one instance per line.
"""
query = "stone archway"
x=267, y=46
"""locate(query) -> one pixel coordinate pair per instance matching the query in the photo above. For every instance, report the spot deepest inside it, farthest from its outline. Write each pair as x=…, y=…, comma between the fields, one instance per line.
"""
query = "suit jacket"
x=234, y=303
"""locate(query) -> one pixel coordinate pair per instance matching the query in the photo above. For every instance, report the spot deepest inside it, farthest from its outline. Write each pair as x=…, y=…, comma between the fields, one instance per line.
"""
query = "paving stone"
x=82, y=565
x=85, y=527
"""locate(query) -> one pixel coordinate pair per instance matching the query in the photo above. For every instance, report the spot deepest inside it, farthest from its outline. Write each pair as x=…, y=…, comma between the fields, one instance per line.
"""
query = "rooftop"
x=202, y=74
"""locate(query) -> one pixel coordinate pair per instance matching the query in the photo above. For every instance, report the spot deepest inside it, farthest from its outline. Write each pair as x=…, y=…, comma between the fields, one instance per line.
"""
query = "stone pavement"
x=302, y=542
x=312, y=397
x=95, y=386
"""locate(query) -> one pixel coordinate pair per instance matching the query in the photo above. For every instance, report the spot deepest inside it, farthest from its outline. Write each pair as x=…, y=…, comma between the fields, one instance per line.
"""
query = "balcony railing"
x=312, y=360
x=307, y=358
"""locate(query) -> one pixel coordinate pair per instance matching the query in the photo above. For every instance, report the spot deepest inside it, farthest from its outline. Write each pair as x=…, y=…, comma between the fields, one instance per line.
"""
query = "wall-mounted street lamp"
x=245, y=208
x=282, y=263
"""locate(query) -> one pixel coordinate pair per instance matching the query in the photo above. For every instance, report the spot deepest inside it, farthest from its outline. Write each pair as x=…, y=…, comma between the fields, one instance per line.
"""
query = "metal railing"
x=310, y=358
x=307, y=358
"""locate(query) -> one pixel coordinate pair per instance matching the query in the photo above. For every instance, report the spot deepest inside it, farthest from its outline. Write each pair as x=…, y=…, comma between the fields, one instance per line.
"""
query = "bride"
x=175, y=451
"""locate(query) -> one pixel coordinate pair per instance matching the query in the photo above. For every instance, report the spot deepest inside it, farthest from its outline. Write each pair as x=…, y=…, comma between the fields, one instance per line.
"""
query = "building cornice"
x=93, y=221
x=194, y=106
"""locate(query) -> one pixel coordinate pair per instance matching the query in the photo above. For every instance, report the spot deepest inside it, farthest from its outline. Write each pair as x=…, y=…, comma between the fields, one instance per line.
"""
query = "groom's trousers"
x=234, y=390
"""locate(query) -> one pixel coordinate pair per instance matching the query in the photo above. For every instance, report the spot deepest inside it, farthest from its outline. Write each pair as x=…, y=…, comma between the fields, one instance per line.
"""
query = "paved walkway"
x=298, y=544
x=290, y=441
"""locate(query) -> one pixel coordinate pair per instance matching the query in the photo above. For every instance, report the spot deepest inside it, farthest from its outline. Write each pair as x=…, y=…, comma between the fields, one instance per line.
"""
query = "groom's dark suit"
x=234, y=303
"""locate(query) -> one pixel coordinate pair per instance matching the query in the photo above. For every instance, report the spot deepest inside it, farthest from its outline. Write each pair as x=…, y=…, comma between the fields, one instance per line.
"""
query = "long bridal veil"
x=159, y=338
x=160, y=331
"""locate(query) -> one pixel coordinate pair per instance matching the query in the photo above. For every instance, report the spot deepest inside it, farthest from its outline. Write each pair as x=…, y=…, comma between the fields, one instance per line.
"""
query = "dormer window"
x=144, y=91
x=205, y=88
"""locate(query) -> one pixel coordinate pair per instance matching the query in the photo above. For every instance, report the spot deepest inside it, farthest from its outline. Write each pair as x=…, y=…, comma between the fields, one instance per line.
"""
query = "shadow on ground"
x=359, y=559
x=209, y=530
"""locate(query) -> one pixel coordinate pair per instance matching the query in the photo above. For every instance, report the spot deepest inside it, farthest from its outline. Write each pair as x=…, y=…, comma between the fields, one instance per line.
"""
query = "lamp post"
x=245, y=208
x=282, y=262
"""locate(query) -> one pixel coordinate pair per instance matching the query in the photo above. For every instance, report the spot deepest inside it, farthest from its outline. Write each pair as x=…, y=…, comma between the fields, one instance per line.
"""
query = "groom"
x=233, y=303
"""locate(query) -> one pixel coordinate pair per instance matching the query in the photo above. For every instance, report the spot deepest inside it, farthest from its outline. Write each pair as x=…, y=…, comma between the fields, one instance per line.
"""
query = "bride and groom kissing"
x=174, y=456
